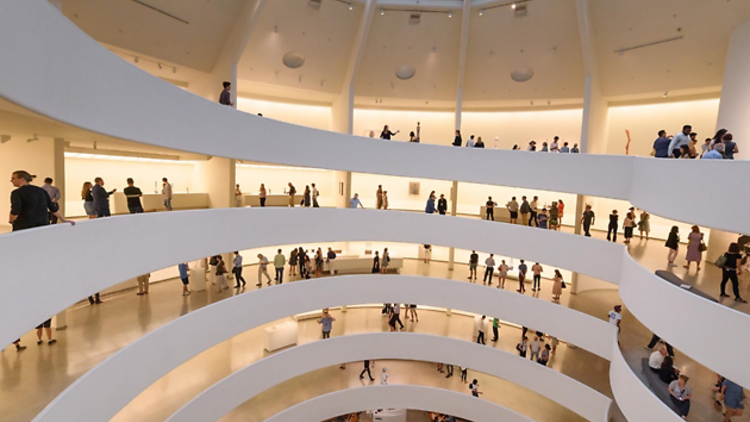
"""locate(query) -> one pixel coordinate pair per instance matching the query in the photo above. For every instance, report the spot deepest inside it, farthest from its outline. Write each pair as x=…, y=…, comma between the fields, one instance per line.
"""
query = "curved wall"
x=398, y=397
x=154, y=355
x=239, y=387
x=651, y=299
x=145, y=109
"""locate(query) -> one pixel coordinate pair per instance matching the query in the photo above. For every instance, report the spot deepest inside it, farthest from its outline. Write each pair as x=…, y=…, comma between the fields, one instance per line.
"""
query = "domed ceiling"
x=412, y=50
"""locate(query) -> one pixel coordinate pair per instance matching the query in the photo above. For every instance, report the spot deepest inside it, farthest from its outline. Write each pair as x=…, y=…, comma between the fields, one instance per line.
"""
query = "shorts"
x=514, y=214
x=185, y=281
x=472, y=266
x=89, y=207
x=45, y=324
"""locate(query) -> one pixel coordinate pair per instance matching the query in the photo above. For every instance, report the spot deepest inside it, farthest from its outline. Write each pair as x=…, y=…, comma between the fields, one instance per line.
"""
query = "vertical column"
x=735, y=92
x=454, y=208
x=61, y=320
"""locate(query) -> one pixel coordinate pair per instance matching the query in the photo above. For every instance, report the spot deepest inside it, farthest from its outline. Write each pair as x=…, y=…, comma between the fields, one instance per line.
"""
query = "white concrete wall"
x=735, y=94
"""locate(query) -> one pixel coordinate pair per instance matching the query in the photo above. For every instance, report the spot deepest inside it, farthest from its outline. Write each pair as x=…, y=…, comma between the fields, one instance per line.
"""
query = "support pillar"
x=454, y=208
x=578, y=229
x=59, y=174
x=718, y=243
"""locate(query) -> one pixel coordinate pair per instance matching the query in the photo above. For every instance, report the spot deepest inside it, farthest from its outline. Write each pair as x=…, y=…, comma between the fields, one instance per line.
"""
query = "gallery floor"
x=31, y=379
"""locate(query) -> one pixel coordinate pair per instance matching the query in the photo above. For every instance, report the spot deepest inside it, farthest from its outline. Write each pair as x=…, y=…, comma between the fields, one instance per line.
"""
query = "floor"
x=31, y=379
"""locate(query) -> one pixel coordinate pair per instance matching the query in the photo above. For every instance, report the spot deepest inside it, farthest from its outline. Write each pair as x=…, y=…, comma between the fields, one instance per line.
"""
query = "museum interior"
x=374, y=210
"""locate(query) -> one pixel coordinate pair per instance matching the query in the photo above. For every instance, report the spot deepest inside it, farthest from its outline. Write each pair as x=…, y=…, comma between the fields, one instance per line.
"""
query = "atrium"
x=374, y=210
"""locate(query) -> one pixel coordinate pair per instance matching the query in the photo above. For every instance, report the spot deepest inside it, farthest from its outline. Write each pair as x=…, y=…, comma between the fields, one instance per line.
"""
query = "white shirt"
x=490, y=262
x=384, y=378
x=677, y=141
x=315, y=193
x=470, y=142
x=554, y=147
x=655, y=360
x=503, y=268
x=614, y=317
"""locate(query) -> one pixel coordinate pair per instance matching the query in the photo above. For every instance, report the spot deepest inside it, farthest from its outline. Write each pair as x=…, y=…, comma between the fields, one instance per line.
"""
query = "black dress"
x=672, y=241
x=457, y=141
x=376, y=265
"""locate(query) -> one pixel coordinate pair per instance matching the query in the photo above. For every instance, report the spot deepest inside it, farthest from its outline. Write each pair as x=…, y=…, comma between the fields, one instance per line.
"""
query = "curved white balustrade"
x=106, y=95
x=428, y=399
x=170, y=243
x=242, y=385
x=635, y=401
x=154, y=355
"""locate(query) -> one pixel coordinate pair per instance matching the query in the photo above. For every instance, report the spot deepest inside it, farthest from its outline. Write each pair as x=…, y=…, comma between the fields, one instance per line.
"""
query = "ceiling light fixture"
x=513, y=6
x=382, y=12
x=665, y=94
x=480, y=12
x=450, y=14
x=351, y=7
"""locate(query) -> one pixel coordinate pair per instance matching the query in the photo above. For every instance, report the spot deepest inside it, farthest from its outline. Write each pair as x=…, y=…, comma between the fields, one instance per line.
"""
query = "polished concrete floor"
x=31, y=379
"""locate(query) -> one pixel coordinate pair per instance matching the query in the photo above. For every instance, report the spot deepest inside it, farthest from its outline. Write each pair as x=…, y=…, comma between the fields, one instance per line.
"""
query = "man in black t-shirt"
x=442, y=205
x=30, y=206
x=587, y=220
x=134, y=197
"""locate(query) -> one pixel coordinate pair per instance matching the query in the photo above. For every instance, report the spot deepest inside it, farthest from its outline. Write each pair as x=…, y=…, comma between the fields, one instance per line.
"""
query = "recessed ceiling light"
x=382, y=12
x=513, y=6
x=450, y=14
x=480, y=12
x=351, y=7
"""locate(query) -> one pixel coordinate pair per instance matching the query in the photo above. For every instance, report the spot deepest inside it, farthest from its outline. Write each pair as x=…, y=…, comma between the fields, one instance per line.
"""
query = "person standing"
x=366, y=369
x=661, y=145
x=541, y=219
x=292, y=192
x=262, y=195
x=331, y=259
x=495, y=328
x=166, y=193
x=133, y=195
x=644, y=224
x=502, y=274
x=555, y=145
x=376, y=263
x=457, y=141
x=470, y=142
x=237, y=269
x=385, y=200
x=464, y=374
x=612, y=227
x=512, y=207
x=536, y=271
x=442, y=205
x=101, y=198
x=525, y=211
x=535, y=346
x=615, y=317
x=521, y=277
x=319, y=263
x=88, y=200
x=183, y=268
x=411, y=313
x=544, y=356
x=481, y=330
x=695, y=248
x=315, y=195
x=731, y=269
x=557, y=286
x=47, y=326
x=143, y=284
x=54, y=194
x=278, y=263
x=628, y=224
x=730, y=147
x=379, y=197
x=587, y=220
x=354, y=202
x=474, y=387
x=263, y=270
x=533, y=206
x=680, y=394
x=226, y=97
x=672, y=243
x=522, y=347
x=238, y=195
x=397, y=315
x=384, y=261
x=386, y=133
x=490, y=206
x=384, y=377
x=221, y=274
x=473, y=262
x=682, y=138
x=326, y=323
x=306, y=201
x=293, y=262
x=489, y=268
x=430, y=207
x=565, y=149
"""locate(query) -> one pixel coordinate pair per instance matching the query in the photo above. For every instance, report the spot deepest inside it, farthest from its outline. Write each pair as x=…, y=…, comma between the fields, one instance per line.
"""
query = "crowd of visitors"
x=685, y=145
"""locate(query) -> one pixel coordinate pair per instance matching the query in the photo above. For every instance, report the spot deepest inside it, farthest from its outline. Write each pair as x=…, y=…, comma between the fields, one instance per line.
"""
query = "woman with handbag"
x=672, y=243
x=557, y=286
x=644, y=225
x=695, y=248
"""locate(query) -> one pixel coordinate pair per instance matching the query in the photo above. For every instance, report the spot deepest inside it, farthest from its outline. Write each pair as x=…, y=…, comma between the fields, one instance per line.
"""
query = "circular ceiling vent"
x=405, y=72
x=293, y=59
x=522, y=74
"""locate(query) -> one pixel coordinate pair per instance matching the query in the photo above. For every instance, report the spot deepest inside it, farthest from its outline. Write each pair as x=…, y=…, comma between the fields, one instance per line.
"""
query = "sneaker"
x=740, y=300
x=38, y=342
x=671, y=264
x=20, y=348
x=139, y=294
x=51, y=342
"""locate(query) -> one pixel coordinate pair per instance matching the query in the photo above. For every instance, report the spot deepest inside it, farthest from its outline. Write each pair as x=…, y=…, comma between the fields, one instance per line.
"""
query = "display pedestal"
x=197, y=279
x=281, y=335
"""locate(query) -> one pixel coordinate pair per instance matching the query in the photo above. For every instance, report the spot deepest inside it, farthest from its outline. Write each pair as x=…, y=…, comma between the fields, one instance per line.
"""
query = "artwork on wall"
x=414, y=188
x=341, y=188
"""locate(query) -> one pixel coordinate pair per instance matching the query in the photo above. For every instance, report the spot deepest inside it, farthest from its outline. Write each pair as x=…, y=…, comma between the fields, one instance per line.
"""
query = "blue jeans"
x=537, y=282
x=168, y=204
x=279, y=274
